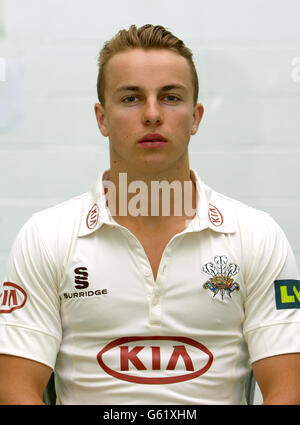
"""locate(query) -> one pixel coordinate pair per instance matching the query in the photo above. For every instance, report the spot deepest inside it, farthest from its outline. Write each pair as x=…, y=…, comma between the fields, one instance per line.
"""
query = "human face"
x=148, y=94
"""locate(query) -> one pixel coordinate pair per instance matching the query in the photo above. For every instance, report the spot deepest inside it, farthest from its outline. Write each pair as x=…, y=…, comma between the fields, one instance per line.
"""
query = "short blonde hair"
x=146, y=37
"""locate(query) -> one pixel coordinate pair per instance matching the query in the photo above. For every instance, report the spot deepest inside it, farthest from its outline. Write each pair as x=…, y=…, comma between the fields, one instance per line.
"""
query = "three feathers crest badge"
x=221, y=281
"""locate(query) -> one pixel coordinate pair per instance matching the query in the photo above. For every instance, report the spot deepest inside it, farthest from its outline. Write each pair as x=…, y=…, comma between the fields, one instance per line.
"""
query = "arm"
x=30, y=325
x=272, y=324
x=22, y=381
x=279, y=378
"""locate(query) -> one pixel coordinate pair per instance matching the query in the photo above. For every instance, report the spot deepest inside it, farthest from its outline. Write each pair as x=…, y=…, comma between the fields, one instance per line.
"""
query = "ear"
x=197, y=116
x=101, y=119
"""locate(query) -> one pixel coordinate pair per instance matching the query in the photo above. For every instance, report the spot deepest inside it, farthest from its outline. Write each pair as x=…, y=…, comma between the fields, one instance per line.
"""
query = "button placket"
x=141, y=262
x=155, y=305
x=153, y=288
x=155, y=308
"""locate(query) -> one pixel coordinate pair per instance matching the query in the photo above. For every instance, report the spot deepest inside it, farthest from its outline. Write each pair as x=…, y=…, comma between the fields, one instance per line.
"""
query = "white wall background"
x=248, y=144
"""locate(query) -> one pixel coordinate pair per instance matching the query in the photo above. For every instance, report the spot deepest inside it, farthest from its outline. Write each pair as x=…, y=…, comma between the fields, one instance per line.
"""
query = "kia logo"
x=215, y=216
x=92, y=217
x=12, y=298
x=155, y=355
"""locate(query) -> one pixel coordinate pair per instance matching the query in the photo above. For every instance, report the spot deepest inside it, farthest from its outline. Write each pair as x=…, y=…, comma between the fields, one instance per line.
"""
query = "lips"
x=153, y=138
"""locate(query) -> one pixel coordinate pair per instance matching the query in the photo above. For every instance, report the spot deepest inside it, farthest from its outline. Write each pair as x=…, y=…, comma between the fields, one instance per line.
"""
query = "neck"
x=152, y=198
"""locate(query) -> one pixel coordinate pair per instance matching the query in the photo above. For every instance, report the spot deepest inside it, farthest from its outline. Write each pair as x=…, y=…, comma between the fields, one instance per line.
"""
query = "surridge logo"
x=155, y=359
x=81, y=282
x=81, y=277
x=12, y=297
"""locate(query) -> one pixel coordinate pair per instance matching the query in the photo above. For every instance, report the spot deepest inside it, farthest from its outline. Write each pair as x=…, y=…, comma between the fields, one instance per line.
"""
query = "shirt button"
x=147, y=273
x=155, y=300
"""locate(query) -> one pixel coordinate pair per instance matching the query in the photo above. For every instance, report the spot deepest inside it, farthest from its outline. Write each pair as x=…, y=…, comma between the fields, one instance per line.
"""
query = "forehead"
x=147, y=68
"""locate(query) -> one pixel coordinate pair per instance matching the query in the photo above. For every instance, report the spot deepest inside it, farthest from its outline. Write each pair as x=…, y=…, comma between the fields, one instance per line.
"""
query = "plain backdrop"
x=246, y=55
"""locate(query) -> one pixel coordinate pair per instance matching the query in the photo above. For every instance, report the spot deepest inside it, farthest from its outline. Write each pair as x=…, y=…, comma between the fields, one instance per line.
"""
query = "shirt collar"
x=211, y=209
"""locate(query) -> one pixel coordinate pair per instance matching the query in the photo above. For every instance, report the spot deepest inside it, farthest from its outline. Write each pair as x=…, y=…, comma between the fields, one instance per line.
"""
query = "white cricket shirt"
x=79, y=296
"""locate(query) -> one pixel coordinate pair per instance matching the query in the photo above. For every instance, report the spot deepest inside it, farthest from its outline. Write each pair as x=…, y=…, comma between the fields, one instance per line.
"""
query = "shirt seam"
x=270, y=325
x=71, y=244
x=47, y=251
x=16, y=325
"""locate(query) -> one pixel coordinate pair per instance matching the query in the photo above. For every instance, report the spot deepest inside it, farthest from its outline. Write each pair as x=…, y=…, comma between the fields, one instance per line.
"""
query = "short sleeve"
x=272, y=305
x=30, y=324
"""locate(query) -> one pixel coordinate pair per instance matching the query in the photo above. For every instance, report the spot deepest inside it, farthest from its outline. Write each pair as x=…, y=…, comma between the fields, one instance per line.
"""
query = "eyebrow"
x=164, y=88
x=127, y=88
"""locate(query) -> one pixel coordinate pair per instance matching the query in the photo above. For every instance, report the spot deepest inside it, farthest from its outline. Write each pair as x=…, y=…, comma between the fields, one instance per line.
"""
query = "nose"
x=152, y=113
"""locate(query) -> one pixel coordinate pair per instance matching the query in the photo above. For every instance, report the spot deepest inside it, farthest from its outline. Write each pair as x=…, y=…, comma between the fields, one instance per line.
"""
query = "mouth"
x=153, y=140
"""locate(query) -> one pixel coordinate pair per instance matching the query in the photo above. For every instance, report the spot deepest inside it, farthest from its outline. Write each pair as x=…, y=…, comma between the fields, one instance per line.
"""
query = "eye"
x=171, y=98
x=130, y=99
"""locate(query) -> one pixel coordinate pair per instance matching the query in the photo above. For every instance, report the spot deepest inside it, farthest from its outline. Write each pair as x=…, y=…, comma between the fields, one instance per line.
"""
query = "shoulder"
x=242, y=216
x=251, y=230
x=65, y=215
x=257, y=239
x=55, y=229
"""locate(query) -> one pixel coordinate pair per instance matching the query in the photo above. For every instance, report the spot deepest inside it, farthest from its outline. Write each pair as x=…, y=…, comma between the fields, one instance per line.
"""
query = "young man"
x=132, y=305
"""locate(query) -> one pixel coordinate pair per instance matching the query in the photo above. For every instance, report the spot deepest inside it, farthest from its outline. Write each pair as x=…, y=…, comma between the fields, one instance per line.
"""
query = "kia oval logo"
x=165, y=357
x=215, y=216
x=92, y=217
x=12, y=298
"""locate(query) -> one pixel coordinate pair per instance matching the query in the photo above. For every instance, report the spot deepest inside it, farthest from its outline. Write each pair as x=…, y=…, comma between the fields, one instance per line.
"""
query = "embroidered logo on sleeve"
x=287, y=293
x=12, y=297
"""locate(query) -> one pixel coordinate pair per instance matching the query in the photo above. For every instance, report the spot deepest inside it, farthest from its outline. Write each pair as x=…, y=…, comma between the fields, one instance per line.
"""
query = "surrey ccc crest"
x=221, y=276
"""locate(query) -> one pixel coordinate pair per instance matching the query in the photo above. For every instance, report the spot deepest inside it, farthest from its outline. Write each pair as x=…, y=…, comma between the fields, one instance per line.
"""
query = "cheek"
x=122, y=119
x=116, y=122
x=182, y=122
x=121, y=127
